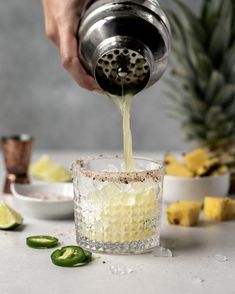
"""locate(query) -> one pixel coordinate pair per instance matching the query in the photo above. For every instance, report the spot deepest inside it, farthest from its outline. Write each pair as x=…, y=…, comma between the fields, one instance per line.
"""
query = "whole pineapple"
x=202, y=80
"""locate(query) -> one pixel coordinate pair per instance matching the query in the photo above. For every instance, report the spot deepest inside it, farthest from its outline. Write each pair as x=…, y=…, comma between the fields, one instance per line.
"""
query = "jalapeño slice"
x=88, y=256
x=71, y=256
x=41, y=241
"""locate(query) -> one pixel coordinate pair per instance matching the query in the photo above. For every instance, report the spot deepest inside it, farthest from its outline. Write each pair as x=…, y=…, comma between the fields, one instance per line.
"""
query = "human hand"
x=61, y=23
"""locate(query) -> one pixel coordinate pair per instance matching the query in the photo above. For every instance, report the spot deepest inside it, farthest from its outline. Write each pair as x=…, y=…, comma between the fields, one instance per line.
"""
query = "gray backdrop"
x=38, y=97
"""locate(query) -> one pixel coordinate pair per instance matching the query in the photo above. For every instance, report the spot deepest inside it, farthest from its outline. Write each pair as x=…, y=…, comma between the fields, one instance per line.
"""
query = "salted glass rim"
x=125, y=177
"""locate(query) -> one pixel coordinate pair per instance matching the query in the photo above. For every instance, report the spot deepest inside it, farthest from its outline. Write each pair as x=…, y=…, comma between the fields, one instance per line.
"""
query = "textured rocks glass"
x=116, y=211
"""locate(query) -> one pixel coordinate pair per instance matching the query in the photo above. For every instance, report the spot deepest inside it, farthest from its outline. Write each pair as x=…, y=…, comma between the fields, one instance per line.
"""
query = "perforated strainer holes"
x=123, y=67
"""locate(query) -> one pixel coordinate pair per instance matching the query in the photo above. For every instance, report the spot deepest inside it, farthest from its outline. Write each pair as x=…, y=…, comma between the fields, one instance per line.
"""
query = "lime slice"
x=47, y=170
x=9, y=218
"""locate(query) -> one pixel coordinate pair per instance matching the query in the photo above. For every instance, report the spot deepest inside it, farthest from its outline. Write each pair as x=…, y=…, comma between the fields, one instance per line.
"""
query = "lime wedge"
x=9, y=218
x=57, y=173
x=47, y=170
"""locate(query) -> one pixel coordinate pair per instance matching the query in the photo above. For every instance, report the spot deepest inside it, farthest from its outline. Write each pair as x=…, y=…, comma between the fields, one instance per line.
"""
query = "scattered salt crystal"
x=220, y=258
x=162, y=252
x=197, y=280
x=121, y=270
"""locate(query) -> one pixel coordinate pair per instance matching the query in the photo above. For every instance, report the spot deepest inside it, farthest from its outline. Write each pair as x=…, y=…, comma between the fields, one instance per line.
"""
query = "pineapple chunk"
x=197, y=163
x=220, y=171
x=40, y=166
x=232, y=204
x=175, y=168
x=178, y=170
x=47, y=170
x=184, y=213
x=196, y=159
x=170, y=158
x=208, y=167
x=57, y=174
x=219, y=209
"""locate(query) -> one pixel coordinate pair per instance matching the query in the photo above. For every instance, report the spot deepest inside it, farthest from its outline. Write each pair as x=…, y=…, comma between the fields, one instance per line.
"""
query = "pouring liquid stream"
x=124, y=104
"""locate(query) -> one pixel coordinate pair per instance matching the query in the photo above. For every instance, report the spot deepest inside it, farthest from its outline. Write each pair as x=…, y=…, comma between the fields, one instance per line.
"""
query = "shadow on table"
x=17, y=229
x=180, y=239
x=179, y=244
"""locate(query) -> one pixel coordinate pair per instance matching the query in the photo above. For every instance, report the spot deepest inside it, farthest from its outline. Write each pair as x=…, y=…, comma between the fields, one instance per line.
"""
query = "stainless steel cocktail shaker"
x=124, y=44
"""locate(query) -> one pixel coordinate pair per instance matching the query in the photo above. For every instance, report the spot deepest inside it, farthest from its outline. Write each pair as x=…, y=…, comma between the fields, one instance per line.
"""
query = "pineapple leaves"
x=233, y=29
x=216, y=119
x=232, y=78
x=229, y=61
x=221, y=35
x=175, y=26
x=211, y=118
x=216, y=82
x=193, y=52
x=190, y=22
x=201, y=85
x=204, y=69
x=193, y=129
x=230, y=110
x=228, y=128
x=225, y=94
x=174, y=86
x=210, y=12
x=186, y=55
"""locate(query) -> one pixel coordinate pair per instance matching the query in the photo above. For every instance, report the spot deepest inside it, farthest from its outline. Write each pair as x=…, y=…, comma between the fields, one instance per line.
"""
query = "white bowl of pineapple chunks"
x=194, y=177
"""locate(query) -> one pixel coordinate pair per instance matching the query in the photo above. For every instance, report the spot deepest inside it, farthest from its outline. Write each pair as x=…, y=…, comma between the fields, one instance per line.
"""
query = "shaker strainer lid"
x=122, y=71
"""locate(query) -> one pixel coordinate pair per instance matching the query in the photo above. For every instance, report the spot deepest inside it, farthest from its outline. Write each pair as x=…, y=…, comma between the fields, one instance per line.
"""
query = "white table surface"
x=29, y=271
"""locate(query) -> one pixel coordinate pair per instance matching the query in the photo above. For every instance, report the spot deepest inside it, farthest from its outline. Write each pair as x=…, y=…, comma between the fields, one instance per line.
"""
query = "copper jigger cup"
x=17, y=154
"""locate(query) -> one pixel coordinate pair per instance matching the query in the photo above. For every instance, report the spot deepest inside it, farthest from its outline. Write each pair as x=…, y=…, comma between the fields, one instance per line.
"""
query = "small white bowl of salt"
x=45, y=201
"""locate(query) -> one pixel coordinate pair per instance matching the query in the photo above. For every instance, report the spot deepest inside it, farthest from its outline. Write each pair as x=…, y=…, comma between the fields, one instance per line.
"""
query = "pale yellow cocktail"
x=117, y=211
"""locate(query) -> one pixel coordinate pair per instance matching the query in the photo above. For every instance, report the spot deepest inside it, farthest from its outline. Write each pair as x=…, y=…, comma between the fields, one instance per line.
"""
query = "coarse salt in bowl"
x=45, y=201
